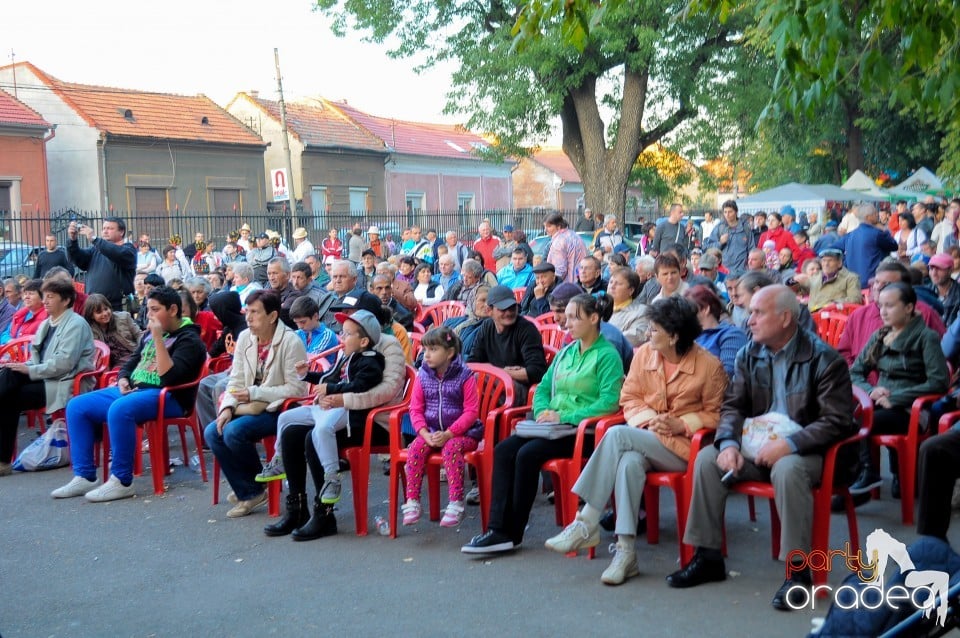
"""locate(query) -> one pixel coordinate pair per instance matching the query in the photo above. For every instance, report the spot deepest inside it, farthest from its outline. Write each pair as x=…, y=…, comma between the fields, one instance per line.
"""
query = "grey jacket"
x=739, y=243
x=69, y=353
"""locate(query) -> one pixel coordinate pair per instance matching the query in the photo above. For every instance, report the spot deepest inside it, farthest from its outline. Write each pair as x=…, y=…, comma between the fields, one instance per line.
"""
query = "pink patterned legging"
x=453, y=451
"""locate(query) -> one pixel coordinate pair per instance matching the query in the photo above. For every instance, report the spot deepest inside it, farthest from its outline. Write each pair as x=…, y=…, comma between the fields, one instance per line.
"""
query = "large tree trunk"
x=855, y=159
x=604, y=171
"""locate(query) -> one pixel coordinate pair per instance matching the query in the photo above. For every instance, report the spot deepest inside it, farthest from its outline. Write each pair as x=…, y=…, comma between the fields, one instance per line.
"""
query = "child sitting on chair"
x=444, y=410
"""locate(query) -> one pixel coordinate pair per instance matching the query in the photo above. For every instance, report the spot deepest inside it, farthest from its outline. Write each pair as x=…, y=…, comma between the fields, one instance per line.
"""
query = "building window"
x=226, y=200
x=150, y=200
x=6, y=200
x=416, y=202
x=318, y=204
x=465, y=207
x=358, y=202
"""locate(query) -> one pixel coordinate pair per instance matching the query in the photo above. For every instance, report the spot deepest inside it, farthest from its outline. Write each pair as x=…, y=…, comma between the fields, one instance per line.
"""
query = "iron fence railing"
x=30, y=228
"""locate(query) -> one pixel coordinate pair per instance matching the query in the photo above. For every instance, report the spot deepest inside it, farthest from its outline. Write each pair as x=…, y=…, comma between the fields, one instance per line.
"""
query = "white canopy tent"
x=806, y=198
x=862, y=183
x=918, y=185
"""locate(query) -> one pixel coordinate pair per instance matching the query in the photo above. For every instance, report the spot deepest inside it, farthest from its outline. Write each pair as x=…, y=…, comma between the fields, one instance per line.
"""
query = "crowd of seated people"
x=650, y=338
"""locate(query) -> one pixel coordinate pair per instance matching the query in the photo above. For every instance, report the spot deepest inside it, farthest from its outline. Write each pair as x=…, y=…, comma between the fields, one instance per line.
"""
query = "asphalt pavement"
x=175, y=565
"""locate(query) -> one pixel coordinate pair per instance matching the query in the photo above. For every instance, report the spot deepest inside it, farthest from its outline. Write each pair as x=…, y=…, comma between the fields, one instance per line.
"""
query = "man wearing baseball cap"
x=510, y=342
x=504, y=251
x=260, y=256
x=943, y=285
x=834, y=284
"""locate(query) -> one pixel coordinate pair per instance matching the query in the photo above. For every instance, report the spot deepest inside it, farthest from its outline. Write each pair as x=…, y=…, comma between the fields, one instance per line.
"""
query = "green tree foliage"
x=627, y=63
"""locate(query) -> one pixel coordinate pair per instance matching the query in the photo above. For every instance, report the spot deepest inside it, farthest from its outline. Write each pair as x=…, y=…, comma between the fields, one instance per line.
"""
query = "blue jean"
x=236, y=450
x=86, y=414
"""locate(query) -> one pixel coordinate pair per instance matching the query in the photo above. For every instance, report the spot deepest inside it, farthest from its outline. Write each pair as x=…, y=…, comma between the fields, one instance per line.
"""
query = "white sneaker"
x=78, y=486
x=112, y=490
x=576, y=535
x=623, y=566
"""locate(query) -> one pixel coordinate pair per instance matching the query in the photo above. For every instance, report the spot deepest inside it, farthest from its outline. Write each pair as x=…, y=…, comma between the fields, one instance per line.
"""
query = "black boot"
x=297, y=514
x=322, y=523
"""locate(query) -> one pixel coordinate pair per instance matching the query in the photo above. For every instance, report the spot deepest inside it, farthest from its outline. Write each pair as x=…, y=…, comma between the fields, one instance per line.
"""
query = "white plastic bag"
x=52, y=450
x=760, y=430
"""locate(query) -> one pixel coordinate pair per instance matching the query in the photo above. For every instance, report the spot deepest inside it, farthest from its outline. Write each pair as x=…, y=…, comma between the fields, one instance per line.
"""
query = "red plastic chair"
x=101, y=360
x=79, y=286
x=546, y=319
x=496, y=390
x=907, y=447
x=16, y=350
x=518, y=293
x=156, y=433
x=830, y=325
x=359, y=456
x=682, y=485
x=318, y=363
x=821, y=493
x=553, y=335
x=842, y=308
x=440, y=312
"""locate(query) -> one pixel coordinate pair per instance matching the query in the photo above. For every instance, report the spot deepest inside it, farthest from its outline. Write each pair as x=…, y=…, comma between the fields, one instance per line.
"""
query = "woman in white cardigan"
x=262, y=377
x=61, y=349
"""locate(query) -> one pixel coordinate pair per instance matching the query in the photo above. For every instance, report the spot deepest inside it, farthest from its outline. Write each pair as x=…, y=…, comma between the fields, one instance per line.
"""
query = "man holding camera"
x=110, y=261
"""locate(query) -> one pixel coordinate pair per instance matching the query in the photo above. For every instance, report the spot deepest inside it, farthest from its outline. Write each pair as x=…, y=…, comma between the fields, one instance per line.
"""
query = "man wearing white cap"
x=244, y=241
x=302, y=246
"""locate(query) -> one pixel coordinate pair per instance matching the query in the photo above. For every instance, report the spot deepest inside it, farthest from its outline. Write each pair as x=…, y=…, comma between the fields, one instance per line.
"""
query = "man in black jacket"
x=110, y=261
x=52, y=256
x=510, y=342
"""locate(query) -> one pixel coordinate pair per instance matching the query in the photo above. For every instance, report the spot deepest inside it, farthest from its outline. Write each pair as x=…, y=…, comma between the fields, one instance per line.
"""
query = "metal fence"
x=31, y=228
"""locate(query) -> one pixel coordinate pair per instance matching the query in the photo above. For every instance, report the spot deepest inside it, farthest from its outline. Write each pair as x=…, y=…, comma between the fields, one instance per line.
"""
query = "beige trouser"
x=793, y=478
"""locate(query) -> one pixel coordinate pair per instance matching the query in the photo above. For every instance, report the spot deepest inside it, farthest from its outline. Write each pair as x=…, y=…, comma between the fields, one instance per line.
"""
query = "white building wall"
x=270, y=130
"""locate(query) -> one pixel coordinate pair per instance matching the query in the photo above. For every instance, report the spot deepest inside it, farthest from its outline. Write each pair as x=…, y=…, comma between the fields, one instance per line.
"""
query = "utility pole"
x=13, y=68
x=286, y=146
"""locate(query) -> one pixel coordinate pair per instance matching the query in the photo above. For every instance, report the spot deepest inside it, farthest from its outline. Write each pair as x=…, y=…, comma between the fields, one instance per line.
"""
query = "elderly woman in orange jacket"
x=674, y=388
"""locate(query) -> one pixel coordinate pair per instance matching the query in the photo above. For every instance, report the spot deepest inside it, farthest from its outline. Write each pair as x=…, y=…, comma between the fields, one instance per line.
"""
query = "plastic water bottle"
x=383, y=525
x=195, y=463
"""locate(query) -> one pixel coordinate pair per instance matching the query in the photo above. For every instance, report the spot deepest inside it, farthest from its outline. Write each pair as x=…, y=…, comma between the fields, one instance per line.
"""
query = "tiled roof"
x=416, y=138
x=558, y=162
x=132, y=113
x=13, y=112
x=317, y=125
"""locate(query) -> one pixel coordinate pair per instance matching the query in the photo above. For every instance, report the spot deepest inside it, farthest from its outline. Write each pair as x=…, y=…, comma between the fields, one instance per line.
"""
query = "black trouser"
x=17, y=393
x=296, y=448
x=938, y=470
x=516, y=473
x=885, y=421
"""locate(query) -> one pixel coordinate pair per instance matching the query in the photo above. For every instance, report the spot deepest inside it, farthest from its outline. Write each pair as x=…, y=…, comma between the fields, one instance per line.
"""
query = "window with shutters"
x=150, y=200
x=226, y=200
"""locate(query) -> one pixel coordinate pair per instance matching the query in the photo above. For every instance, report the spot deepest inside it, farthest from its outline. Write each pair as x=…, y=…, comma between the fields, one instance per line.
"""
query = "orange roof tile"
x=133, y=113
x=15, y=113
x=318, y=126
x=558, y=162
x=417, y=138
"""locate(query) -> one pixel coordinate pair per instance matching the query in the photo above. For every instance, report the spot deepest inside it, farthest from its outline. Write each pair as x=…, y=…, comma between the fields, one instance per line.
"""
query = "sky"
x=217, y=48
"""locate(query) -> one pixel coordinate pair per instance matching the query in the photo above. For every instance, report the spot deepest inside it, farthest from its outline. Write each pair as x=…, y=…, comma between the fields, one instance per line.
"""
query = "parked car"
x=541, y=243
x=17, y=259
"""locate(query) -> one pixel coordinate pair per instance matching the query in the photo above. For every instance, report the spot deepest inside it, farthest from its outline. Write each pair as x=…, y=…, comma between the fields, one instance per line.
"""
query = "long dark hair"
x=907, y=296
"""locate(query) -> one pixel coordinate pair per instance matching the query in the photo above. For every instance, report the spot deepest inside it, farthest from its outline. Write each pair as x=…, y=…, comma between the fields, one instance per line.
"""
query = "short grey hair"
x=349, y=265
x=198, y=282
x=785, y=300
x=16, y=284
x=646, y=264
x=386, y=268
x=472, y=266
x=445, y=258
x=450, y=233
x=243, y=269
x=865, y=210
x=284, y=264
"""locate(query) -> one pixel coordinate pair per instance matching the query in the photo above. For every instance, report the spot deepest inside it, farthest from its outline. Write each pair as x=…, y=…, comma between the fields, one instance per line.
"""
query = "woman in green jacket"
x=583, y=381
x=901, y=361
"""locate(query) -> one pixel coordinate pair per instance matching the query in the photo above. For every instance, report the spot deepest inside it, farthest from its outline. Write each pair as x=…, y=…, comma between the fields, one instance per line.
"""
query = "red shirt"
x=486, y=247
